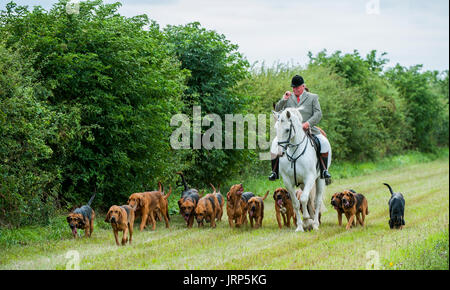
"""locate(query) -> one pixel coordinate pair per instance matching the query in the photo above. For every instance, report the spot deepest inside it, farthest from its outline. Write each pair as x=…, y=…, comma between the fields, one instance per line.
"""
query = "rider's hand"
x=286, y=95
x=305, y=126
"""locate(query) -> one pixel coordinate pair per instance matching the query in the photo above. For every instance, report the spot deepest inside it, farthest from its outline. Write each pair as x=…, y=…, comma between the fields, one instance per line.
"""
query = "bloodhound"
x=256, y=210
x=121, y=218
x=188, y=202
x=354, y=204
x=209, y=208
x=82, y=218
x=283, y=207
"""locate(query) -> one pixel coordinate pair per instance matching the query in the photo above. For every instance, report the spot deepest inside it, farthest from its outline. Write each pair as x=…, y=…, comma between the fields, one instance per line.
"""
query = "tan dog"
x=256, y=210
x=82, y=218
x=237, y=205
x=311, y=206
x=121, y=218
x=220, y=199
x=164, y=204
x=336, y=202
x=284, y=208
x=354, y=204
x=146, y=203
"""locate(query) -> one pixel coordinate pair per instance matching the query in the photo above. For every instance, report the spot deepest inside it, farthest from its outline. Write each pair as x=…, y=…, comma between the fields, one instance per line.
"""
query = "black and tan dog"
x=188, y=202
x=396, y=209
x=82, y=218
x=336, y=202
x=256, y=210
x=284, y=208
x=121, y=218
x=209, y=208
x=354, y=204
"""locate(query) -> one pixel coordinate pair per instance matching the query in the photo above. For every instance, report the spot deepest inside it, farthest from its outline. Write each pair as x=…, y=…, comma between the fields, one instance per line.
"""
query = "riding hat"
x=297, y=81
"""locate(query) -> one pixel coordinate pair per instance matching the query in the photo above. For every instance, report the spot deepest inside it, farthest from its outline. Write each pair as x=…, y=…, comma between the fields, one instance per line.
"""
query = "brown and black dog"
x=237, y=205
x=283, y=207
x=188, y=202
x=354, y=204
x=82, y=218
x=209, y=208
x=256, y=210
x=146, y=203
x=121, y=218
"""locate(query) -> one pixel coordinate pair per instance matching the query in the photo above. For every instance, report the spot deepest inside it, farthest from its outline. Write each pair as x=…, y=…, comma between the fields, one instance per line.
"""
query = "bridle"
x=286, y=144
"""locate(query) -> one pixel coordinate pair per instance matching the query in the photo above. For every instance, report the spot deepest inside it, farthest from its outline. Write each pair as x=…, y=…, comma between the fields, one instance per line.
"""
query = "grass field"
x=422, y=244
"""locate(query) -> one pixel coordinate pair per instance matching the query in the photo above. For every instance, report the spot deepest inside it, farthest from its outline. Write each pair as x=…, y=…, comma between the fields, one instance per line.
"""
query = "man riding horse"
x=311, y=112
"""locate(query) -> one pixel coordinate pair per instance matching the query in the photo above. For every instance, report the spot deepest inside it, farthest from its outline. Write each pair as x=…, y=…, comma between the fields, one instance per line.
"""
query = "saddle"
x=315, y=143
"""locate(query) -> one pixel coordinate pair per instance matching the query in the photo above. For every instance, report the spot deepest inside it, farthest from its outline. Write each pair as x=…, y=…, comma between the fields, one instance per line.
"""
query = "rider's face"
x=298, y=90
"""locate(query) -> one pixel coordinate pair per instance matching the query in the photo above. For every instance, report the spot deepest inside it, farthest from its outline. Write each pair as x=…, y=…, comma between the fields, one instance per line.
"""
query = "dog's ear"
x=275, y=195
x=108, y=216
x=179, y=203
x=141, y=201
x=228, y=196
x=68, y=219
x=352, y=198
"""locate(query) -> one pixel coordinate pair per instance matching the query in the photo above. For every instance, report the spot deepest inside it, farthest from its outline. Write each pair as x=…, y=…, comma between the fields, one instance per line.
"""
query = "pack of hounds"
x=153, y=205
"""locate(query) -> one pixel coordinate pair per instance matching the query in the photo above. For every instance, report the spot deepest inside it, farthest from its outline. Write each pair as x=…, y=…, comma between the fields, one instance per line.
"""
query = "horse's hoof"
x=299, y=229
x=308, y=223
x=315, y=227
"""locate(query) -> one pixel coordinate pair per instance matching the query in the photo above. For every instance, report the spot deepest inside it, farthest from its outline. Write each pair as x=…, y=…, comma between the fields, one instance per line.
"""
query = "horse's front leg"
x=296, y=205
x=320, y=188
x=305, y=198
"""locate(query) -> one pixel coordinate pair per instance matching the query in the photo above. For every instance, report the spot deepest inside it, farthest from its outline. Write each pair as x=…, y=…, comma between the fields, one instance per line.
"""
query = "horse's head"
x=288, y=126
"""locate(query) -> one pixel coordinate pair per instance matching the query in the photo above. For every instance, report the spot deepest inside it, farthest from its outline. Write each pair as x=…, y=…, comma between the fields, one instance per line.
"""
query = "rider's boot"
x=323, y=166
x=275, y=169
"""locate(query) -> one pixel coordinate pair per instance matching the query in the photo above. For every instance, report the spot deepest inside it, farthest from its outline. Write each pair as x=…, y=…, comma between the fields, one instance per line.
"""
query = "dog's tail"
x=390, y=189
x=160, y=186
x=92, y=198
x=166, y=196
x=213, y=188
x=186, y=187
x=265, y=196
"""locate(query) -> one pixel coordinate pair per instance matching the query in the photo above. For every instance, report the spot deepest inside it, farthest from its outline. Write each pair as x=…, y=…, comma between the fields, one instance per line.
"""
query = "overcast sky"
x=410, y=31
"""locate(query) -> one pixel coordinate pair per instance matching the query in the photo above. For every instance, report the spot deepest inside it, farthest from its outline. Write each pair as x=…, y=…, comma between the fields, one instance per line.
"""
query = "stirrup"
x=273, y=176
